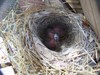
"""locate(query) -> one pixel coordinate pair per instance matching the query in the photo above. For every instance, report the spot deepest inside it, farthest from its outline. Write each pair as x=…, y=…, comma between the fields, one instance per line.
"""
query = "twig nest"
x=49, y=43
x=72, y=46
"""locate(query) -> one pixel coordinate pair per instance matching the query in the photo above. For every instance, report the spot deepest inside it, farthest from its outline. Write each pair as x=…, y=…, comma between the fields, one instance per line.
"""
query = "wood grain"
x=92, y=14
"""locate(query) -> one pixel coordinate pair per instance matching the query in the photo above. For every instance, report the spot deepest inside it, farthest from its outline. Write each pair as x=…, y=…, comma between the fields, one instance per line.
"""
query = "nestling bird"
x=55, y=36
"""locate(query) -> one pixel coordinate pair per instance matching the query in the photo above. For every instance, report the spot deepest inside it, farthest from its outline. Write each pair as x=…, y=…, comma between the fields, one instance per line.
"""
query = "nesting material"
x=29, y=56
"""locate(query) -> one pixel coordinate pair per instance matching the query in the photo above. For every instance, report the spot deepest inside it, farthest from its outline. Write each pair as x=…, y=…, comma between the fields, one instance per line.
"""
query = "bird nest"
x=22, y=35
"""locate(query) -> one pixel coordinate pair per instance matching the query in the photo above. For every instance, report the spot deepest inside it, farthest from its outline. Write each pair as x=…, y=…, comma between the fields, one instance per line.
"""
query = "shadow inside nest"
x=54, y=31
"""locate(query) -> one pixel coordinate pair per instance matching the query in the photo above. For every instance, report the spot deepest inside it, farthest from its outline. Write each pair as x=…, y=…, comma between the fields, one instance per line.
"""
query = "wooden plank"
x=92, y=14
x=75, y=4
x=73, y=1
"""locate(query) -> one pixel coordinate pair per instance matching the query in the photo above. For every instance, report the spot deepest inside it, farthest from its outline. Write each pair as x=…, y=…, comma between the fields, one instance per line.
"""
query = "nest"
x=22, y=35
x=53, y=20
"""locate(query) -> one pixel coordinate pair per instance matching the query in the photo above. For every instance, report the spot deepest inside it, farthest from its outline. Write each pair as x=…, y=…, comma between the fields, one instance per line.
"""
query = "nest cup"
x=53, y=20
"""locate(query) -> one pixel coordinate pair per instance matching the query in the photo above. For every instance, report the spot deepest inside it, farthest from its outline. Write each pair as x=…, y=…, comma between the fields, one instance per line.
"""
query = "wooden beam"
x=92, y=14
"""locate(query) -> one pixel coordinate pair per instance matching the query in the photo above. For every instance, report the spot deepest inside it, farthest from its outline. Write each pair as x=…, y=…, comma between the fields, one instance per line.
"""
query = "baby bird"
x=54, y=37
